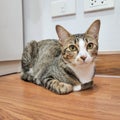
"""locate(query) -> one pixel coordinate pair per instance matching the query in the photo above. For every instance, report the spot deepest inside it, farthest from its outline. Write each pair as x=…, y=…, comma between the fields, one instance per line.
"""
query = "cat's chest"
x=84, y=73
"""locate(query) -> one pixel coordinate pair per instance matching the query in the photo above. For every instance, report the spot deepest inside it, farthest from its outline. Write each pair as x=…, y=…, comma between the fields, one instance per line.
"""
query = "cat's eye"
x=90, y=46
x=72, y=48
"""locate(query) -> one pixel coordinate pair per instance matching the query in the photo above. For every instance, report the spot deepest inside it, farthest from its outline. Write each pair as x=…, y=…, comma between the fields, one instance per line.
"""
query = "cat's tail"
x=28, y=56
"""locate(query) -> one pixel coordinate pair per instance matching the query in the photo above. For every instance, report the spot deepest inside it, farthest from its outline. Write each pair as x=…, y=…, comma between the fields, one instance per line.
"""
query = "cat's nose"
x=83, y=58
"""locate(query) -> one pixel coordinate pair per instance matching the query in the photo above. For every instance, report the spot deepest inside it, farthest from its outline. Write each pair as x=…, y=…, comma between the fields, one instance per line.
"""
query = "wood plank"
x=27, y=101
x=108, y=64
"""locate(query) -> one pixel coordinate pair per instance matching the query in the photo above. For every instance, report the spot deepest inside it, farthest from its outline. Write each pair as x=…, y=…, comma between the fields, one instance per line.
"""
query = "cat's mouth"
x=79, y=61
x=82, y=62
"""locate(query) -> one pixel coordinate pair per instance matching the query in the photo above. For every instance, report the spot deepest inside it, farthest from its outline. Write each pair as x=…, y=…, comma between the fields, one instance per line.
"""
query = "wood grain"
x=21, y=100
x=108, y=64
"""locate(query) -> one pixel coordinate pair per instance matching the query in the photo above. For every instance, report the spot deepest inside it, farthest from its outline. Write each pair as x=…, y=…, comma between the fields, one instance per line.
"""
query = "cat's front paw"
x=77, y=88
x=64, y=88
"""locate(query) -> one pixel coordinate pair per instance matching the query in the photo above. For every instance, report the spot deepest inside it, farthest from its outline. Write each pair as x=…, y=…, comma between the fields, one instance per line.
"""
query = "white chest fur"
x=84, y=72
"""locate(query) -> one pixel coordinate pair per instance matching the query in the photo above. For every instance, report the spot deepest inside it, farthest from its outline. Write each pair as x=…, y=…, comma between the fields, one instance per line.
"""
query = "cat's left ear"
x=62, y=33
x=93, y=30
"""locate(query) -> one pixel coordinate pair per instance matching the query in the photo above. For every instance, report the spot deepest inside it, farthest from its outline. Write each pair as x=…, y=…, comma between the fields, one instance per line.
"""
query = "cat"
x=63, y=65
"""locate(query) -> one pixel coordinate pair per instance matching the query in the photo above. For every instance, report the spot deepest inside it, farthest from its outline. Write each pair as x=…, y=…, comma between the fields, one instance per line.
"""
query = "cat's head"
x=79, y=49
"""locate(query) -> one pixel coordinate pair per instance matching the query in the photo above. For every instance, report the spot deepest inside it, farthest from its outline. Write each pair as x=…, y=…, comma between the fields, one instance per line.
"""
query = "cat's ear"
x=62, y=33
x=93, y=30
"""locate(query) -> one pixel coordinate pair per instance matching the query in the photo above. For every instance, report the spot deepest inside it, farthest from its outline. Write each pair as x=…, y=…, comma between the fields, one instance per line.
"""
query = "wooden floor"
x=21, y=100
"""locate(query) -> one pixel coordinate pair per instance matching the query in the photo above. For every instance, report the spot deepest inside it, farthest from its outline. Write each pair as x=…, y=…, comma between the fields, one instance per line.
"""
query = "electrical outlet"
x=96, y=5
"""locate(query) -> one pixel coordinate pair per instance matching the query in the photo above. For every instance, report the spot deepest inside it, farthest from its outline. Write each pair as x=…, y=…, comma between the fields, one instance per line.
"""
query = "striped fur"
x=54, y=64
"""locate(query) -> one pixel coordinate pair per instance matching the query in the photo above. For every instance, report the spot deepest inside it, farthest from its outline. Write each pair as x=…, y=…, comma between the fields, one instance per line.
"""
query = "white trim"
x=109, y=76
x=108, y=52
x=10, y=67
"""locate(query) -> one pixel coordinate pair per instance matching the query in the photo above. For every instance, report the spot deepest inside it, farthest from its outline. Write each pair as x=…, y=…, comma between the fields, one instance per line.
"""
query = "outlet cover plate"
x=96, y=5
x=63, y=7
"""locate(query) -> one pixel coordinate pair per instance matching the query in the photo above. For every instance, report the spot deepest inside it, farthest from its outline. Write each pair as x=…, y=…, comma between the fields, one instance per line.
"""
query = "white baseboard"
x=8, y=67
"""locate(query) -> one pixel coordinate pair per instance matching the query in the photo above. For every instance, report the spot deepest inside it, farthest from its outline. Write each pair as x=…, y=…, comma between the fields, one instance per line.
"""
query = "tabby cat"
x=63, y=65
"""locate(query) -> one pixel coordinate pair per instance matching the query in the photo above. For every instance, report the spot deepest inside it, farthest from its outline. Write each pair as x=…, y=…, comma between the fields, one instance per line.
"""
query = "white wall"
x=40, y=25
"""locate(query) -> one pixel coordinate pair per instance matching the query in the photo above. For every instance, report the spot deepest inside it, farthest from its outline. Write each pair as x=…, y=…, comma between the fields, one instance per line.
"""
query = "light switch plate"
x=96, y=5
x=63, y=7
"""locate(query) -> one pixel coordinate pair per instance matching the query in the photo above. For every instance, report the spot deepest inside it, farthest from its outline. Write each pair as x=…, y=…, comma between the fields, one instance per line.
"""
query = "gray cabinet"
x=11, y=34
